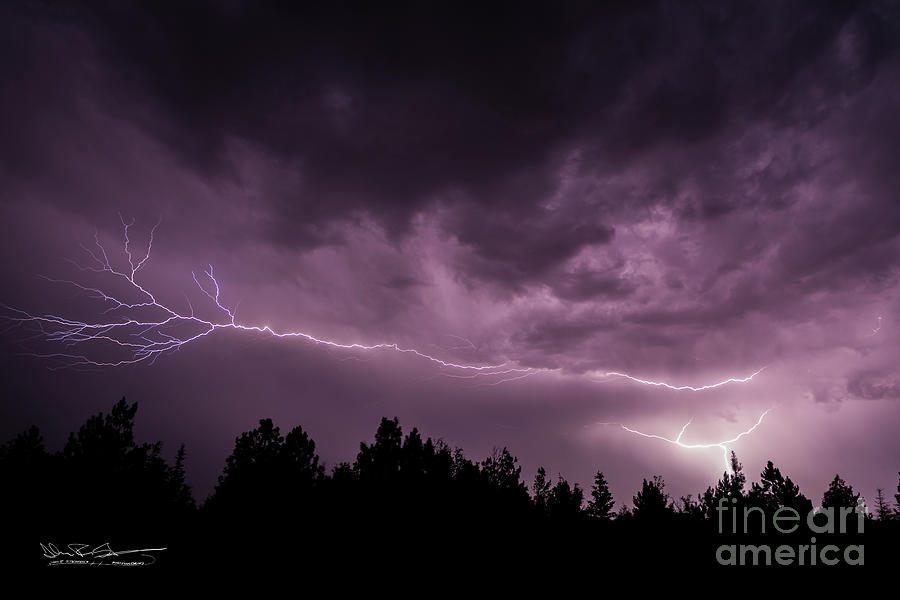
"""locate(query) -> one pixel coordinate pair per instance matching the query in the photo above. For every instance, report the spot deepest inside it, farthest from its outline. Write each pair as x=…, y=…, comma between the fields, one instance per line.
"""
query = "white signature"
x=83, y=554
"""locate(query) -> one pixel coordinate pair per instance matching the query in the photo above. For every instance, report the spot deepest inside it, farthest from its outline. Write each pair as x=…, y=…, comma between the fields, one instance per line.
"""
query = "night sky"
x=681, y=192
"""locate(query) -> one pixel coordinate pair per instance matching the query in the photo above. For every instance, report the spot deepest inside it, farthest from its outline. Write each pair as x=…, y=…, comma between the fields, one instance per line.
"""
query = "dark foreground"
x=406, y=510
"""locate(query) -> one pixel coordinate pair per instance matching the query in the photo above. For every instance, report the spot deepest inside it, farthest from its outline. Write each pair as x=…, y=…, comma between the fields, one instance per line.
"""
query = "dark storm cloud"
x=514, y=248
x=558, y=335
x=584, y=285
x=383, y=107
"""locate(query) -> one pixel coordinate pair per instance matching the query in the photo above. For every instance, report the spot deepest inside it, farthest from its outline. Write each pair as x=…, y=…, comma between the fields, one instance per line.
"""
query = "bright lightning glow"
x=677, y=441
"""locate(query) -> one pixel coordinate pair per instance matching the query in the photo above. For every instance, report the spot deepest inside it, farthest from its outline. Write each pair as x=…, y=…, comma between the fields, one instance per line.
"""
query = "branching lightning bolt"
x=144, y=338
x=677, y=441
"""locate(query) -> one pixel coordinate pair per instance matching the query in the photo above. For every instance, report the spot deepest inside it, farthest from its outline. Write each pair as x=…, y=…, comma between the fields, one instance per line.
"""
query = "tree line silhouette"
x=404, y=501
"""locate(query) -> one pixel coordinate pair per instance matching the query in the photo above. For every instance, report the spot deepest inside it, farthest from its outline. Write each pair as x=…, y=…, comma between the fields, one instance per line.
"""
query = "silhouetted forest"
x=405, y=503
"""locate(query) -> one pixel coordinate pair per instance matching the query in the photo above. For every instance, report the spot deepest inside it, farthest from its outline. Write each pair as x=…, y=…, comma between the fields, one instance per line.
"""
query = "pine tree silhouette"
x=652, y=502
x=541, y=491
x=601, y=503
x=839, y=494
x=775, y=491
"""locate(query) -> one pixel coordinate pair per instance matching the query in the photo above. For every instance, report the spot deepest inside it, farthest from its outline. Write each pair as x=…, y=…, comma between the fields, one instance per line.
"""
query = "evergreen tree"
x=298, y=455
x=255, y=456
x=25, y=449
x=882, y=509
x=623, y=514
x=839, y=494
x=601, y=504
x=565, y=501
x=110, y=474
x=501, y=471
x=897, y=498
x=502, y=496
x=690, y=508
x=380, y=462
x=412, y=457
x=541, y=490
x=730, y=486
x=652, y=502
x=266, y=469
x=181, y=493
x=775, y=491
